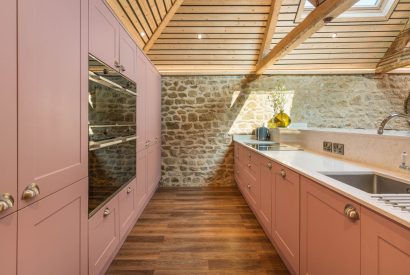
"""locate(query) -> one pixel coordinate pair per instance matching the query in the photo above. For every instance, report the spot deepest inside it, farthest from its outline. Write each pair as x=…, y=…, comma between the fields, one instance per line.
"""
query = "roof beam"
x=162, y=25
x=312, y=23
x=398, y=55
x=316, y=2
x=270, y=28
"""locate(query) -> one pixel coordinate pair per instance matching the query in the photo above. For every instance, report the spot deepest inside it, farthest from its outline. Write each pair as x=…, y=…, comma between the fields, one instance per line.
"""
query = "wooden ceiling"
x=233, y=33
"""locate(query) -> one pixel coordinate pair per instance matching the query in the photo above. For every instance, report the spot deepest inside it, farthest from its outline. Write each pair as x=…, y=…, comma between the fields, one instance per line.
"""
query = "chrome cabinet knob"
x=106, y=212
x=129, y=189
x=31, y=192
x=122, y=68
x=249, y=165
x=283, y=173
x=269, y=165
x=351, y=212
x=117, y=64
x=249, y=186
x=6, y=202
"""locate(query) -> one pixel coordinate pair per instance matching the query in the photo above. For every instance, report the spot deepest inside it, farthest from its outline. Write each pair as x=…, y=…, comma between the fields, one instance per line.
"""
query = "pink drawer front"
x=127, y=210
x=103, y=236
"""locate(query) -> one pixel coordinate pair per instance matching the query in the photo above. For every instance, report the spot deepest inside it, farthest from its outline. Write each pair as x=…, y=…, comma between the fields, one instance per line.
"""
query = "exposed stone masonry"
x=200, y=113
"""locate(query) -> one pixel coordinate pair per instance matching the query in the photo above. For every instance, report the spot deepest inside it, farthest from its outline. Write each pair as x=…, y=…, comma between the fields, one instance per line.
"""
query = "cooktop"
x=273, y=147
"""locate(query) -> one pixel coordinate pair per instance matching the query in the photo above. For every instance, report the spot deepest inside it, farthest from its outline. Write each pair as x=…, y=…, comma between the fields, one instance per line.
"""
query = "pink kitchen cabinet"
x=265, y=202
x=285, y=215
x=142, y=188
x=127, y=208
x=142, y=104
x=52, y=233
x=104, y=236
x=385, y=245
x=8, y=240
x=128, y=55
x=152, y=167
x=52, y=96
x=330, y=241
x=8, y=105
x=104, y=36
x=153, y=99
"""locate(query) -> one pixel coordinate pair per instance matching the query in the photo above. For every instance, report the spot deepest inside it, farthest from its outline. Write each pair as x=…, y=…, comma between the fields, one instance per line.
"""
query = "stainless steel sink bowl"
x=372, y=183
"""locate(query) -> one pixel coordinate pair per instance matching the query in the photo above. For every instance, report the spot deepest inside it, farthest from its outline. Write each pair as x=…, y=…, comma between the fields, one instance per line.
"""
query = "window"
x=364, y=10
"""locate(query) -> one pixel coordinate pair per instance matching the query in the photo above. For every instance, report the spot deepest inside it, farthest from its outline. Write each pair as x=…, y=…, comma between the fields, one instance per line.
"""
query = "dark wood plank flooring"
x=197, y=231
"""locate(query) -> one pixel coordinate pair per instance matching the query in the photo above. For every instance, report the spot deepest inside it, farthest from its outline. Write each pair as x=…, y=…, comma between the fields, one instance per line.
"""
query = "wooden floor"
x=197, y=231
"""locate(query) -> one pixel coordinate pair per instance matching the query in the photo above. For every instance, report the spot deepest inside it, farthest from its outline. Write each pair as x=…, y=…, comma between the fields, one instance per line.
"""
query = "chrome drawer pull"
x=351, y=212
x=106, y=212
x=129, y=189
x=283, y=173
x=269, y=165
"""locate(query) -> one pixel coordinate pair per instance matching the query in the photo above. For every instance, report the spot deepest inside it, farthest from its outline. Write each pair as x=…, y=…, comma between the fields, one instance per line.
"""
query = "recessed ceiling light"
x=142, y=34
x=334, y=35
x=199, y=36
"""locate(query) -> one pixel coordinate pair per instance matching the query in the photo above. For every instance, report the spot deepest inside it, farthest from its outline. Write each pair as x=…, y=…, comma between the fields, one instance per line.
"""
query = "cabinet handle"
x=6, y=202
x=269, y=165
x=351, y=212
x=283, y=173
x=31, y=192
x=117, y=64
x=249, y=186
x=106, y=212
x=129, y=189
x=122, y=68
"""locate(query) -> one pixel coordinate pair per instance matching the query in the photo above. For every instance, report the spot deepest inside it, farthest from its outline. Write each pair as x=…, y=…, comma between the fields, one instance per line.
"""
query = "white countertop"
x=310, y=164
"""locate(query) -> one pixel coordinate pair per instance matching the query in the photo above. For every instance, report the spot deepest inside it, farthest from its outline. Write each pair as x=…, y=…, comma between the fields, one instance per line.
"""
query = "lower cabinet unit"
x=127, y=207
x=103, y=236
x=385, y=247
x=52, y=233
x=8, y=240
x=285, y=215
x=330, y=242
x=266, y=185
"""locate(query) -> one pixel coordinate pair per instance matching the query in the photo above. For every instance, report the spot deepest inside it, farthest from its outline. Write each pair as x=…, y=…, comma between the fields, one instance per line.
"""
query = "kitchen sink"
x=273, y=146
x=372, y=183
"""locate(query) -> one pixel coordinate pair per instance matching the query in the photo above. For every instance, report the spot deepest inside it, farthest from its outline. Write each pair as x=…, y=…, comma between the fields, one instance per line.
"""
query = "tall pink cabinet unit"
x=110, y=43
x=44, y=142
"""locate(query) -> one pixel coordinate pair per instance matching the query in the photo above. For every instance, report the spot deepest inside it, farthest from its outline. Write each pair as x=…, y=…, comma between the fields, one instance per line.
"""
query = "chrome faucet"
x=380, y=131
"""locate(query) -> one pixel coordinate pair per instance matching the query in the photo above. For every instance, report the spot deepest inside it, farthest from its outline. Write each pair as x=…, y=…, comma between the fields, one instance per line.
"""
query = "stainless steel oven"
x=112, y=133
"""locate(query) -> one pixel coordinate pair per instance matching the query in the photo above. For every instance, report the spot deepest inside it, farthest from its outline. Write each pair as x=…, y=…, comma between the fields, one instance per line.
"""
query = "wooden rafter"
x=311, y=24
x=316, y=2
x=162, y=25
x=398, y=55
x=270, y=27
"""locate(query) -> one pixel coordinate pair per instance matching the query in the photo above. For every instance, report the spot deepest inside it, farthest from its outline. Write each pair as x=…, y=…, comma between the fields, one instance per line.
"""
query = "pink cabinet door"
x=127, y=208
x=141, y=189
x=52, y=233
x=128, y=55
x=52, y=98
x=285, y=215
x=8, y=240
x=265, y=202
x=151, y=168
x=104, y=34
x=158, y=108
x=330, y=242
x=103, y=236
x=152, y=104
x=142, y=103
x=385, y=246
x=8, y=101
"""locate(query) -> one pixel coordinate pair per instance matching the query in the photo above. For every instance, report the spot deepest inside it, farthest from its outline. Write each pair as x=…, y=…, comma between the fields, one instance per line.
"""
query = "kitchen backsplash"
x=199, y=113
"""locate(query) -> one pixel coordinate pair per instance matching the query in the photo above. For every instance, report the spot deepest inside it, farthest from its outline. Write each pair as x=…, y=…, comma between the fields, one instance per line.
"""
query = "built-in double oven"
x=112, y=133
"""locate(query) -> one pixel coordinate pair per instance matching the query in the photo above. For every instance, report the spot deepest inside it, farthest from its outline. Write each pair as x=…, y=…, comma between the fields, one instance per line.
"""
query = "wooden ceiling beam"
x=270, y=28
x=162, y=25
x=316, y=2
x=398, y=55
x=311, y=24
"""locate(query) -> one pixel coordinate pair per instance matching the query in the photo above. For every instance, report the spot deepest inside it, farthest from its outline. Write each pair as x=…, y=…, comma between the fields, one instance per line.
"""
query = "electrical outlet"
x=339, y=148
x=327, y=146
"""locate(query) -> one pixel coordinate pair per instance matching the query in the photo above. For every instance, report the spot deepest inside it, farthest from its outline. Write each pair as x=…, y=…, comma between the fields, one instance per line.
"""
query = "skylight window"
x=363, y=10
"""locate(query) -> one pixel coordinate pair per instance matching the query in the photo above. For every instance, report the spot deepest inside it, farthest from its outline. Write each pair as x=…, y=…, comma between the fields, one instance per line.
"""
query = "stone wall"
x=199, y=113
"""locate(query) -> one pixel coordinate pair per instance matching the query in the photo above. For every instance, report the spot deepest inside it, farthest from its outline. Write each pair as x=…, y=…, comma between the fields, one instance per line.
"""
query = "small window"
x=364, y=10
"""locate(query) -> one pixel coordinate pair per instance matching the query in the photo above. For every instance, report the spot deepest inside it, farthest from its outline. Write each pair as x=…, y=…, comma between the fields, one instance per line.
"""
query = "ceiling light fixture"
x=199, y=36
x=142, y=34
x=334, y=35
